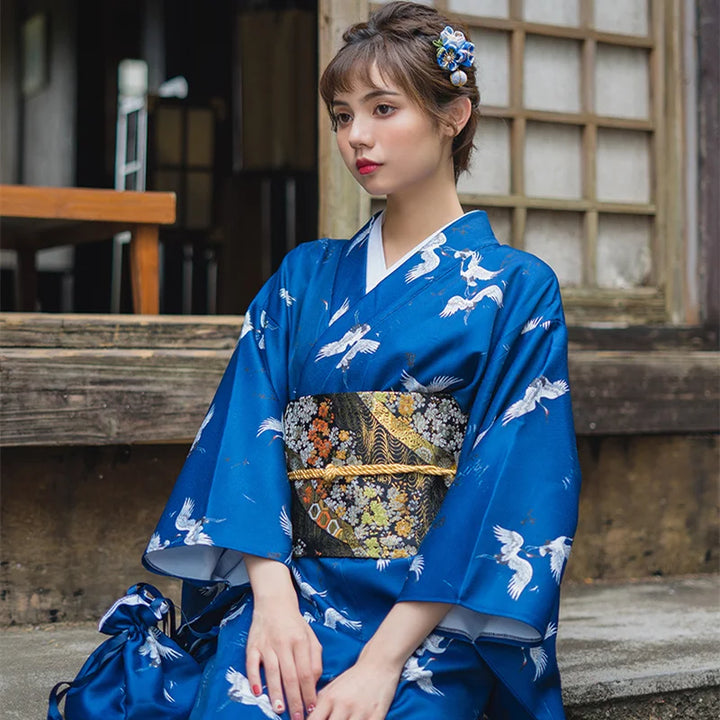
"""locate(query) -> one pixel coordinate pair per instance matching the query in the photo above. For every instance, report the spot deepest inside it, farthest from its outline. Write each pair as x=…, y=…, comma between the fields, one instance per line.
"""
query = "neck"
x=412, y=216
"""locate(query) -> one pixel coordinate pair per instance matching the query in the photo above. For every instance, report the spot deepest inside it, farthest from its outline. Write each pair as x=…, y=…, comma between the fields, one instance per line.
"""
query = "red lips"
x=365, y=166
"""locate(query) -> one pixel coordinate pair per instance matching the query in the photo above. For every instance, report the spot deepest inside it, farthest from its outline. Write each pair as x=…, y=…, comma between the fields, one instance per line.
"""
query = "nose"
x=360, y=134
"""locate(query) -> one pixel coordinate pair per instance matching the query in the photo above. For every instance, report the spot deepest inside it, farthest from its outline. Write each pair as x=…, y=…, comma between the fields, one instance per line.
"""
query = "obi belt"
x=369, y=470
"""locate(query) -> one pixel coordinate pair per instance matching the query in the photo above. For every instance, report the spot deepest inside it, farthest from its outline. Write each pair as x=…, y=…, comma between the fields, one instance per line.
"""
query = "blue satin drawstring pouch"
x=138, y=673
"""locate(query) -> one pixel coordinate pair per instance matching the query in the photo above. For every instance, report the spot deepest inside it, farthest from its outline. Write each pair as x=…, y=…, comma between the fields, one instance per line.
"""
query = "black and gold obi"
x=369, y=470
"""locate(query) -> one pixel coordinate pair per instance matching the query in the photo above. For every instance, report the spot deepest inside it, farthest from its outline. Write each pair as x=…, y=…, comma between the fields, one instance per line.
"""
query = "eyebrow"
x=370, y=96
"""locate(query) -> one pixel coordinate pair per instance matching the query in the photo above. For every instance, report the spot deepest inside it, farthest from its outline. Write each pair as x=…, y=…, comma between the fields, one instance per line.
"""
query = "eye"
x=342, y=118
x=383, y=109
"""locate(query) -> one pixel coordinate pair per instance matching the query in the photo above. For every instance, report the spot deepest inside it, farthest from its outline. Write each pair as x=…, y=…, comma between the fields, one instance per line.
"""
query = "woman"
x=425, y=365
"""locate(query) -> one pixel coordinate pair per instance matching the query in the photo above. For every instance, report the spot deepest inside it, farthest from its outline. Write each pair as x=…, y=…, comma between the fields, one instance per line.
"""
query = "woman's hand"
x=366, y=690
x=281, y=641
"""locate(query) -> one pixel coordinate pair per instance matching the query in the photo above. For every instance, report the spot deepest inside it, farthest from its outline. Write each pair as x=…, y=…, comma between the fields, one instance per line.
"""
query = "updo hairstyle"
x=398, y=40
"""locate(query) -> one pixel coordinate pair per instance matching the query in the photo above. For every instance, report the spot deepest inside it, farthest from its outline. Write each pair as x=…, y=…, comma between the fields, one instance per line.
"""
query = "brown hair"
x=398, y=40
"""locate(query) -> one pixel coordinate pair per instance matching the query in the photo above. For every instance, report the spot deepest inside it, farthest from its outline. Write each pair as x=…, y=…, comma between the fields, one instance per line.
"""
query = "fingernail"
x=279, y=707
x=297, y=716
x=310, y=707
x=257, y=690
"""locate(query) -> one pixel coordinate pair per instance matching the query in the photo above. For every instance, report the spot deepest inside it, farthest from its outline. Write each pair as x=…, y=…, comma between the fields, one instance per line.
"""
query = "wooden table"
x=33, y=218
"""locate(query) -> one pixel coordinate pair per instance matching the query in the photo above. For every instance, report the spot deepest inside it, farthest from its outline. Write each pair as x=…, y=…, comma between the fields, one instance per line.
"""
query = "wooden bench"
x=33, y=218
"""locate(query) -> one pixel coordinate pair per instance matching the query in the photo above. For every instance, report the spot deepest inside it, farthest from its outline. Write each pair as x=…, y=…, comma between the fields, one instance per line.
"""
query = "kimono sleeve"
x=232, y=495
x=498, y=546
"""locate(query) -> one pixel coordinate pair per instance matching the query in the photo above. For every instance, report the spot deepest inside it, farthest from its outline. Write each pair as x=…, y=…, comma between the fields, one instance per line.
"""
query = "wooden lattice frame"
x=663, y=300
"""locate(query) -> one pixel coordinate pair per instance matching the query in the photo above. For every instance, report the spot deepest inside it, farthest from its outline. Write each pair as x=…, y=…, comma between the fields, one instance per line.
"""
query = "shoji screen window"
x=570, y=161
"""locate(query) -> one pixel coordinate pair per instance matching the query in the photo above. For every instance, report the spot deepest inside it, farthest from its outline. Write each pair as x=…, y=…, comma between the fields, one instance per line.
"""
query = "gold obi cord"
x=369, y=470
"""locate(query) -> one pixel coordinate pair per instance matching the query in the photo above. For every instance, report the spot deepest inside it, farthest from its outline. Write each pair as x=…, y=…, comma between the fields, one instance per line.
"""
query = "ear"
x=457, y=114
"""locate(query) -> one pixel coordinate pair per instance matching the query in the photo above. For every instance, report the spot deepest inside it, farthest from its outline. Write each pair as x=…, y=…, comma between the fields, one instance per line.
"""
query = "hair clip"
x=454, y=51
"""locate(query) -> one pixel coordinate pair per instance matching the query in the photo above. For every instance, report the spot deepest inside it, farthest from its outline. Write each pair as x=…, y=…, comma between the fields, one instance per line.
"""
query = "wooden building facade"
x=597, y=151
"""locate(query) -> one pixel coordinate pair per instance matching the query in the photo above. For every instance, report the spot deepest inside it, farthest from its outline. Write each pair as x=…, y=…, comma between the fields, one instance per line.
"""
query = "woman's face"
x=387, y=142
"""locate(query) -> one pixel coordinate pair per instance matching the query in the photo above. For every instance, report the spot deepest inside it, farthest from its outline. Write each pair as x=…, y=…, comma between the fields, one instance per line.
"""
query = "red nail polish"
x=310, y=708
x=257, y=690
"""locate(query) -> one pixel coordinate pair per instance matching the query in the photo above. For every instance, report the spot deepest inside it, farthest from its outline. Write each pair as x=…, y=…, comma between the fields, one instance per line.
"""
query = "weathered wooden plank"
x=99, y=397
x=616, y=393
x=66, y=331
x=102, y=397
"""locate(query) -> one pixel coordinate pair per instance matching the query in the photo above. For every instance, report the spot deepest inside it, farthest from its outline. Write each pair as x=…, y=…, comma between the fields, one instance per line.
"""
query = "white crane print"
x=236, y=613
x=154, y=545
x=559, y=551
x=285, y=522
x=362, y=236
x=438, y=384
x=538, y=655
x=240, y=692
x=286, y=296
x=534, y=323
x=470, y=268
x=340, y=311
x=192, y=528
x=457, y=303
x=539, y=389
x=351, y=343
x=306, y=589
x=208, y=417
x=247, y=326
x=417, y=566
x=271, y=424
x=414, y=672
x=512, y=543
x=333, y=618
x=432, y=644
x=153, y=648
x=430, y=260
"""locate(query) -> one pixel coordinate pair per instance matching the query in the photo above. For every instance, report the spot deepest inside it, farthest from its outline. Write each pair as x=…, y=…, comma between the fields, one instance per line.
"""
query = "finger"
x=252, y=666
x=291, y=686
x=307, y=679
x=274, y=683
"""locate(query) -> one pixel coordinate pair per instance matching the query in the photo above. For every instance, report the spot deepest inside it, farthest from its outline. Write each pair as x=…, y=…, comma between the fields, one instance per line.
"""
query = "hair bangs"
x=357, y=64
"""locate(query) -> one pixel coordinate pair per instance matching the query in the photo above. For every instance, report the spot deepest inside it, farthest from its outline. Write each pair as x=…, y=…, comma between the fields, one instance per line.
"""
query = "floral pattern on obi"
x=369, y=516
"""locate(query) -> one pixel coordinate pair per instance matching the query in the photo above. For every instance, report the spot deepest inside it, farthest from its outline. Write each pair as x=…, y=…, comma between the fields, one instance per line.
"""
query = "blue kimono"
x=464, y=317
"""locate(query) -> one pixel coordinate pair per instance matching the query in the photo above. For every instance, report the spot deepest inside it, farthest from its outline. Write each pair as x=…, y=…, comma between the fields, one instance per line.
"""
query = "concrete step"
x=633, y=651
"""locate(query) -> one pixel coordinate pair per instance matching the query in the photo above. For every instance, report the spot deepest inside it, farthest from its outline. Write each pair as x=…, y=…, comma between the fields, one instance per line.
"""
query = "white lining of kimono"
x=476, y=625
x=376, y=270
x=201, y=562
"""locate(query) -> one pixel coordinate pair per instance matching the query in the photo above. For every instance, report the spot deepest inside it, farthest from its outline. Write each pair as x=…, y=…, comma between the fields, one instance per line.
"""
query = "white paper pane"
x=556, y=238
x=623, y=251
x=489, y=172
x=486, y=8
x=622, y=82
x=552, y=12
x=553, y=161
x=628, y=17
x=623, y=166
x=492, y=61
x=552, y=74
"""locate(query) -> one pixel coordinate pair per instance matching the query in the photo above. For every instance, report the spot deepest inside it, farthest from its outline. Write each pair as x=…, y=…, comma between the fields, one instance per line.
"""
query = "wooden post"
x=144, y=262
x=344, y=205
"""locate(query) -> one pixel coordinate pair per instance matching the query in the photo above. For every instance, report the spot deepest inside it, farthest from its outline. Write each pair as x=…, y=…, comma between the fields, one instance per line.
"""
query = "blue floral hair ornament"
x=454, y=52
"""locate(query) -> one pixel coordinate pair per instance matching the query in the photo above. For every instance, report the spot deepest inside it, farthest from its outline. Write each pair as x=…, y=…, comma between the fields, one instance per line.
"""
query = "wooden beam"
x=28, y=201
x=618, y=393
x=98, y=332
x=94, y=380
x=344, y=206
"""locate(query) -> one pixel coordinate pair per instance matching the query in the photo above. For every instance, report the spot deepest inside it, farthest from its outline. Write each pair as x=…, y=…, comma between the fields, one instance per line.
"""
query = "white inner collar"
x=376, y=269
